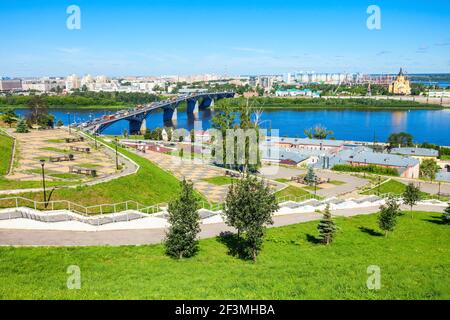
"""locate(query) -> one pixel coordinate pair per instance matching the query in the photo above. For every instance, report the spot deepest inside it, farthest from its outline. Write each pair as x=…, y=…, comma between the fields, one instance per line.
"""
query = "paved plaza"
x=191, y=170
x=36, y=145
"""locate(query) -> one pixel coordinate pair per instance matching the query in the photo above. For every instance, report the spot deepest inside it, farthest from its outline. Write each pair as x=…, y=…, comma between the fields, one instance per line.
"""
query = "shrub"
x=369, y=169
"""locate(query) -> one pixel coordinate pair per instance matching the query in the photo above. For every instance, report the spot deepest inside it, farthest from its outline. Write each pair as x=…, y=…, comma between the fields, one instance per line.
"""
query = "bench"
x=79, y=139
x=80, y=149
x=232, y=174
x=85, y=171
x=68, y=157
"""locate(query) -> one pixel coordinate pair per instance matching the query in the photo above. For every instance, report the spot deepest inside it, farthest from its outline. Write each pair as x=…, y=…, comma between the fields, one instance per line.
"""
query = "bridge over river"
x=137, y=117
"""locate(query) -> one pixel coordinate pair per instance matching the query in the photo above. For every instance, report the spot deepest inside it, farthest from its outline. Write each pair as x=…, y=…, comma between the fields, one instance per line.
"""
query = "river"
x=425, y=125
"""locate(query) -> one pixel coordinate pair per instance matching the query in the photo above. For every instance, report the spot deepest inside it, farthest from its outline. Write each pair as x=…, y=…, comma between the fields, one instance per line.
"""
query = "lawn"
x=414, y=261
x=282, y=180
x=149, y=186
x=220, y=180
x=391, y=186
x=396, y=187
x=6, y=146
x=293, y=192
x=337, y=182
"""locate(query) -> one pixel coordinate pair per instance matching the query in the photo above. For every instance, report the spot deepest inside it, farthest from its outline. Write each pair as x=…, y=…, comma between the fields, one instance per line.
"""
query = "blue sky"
x=147, y=37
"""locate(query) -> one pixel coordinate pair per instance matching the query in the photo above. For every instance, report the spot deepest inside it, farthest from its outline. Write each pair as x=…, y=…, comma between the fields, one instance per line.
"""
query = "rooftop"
x=421, y=152
x=315, y=142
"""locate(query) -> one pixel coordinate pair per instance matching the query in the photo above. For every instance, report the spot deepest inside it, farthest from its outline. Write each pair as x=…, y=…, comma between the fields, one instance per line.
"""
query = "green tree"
x=310, y=177
x=59, y=123
x=46, y=121
x=222, y=121
x=181, y=238
x=387, y=218
x=401, y=139
x=147, y=134
x=326, y=227
x=21, y=126
x=9, y=117
x=38, y=109
x=429, y=168
x=249, y=208
x=446, y=215
x=318, y=132
x=411, y=195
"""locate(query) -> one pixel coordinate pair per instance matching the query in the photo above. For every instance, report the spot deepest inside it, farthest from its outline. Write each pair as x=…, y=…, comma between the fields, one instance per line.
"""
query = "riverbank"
x=277, y=103
x=72, y=107
x=266, y=103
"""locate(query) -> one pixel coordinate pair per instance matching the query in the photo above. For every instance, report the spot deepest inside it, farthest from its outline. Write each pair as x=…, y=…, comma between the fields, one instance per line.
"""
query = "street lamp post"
x=43, y=181
x=68, y=120
x=439, y=191
x=315, y=186
x=379, y=182
x=365, y=165
x=117, y=159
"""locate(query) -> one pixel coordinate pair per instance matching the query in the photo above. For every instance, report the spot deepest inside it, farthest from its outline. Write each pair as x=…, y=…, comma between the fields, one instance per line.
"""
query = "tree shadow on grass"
x=235, y=245
x=435, y=220
x=312, y=239
x=371, y=231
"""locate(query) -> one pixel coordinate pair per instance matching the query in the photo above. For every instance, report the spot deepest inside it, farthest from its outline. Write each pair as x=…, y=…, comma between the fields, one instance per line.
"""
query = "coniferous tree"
x=181, y=239
x=22, y=126
x=388, y=215
x=411, y=195
x=446, y=215
x=310, y=178
x=326, y=227
x=249, y=208
x=9, y=117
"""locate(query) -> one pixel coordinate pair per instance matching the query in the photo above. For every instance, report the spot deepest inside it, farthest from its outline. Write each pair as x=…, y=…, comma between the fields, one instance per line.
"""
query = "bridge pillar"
x=135, y=126
x=143, y=127
x=207, y=103
x=192, y=106
x=170, y=114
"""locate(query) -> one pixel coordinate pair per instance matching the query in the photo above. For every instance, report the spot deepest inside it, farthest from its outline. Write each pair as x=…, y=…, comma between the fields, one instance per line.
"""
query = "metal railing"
x=422, y=196
x=296, y=199
x=100, y=209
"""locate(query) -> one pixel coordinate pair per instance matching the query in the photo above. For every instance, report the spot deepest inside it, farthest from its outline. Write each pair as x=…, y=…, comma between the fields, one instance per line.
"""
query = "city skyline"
x=233, y=38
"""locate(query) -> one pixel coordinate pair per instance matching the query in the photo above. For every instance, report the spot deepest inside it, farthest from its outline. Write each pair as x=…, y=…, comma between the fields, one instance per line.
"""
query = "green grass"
x=6, y=147
x=337, y=182
x=220, y=180
x=445, y=157
x=292, y=191
x=283, y=180
x=7, y=184
x=396, y=187
x=414, y=261
x=67, y=176
x=392, y=186
x=53, y=149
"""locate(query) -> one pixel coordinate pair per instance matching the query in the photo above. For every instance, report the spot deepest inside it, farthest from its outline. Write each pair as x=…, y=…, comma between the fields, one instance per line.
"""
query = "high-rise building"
x=10, y=85
x=73, y=82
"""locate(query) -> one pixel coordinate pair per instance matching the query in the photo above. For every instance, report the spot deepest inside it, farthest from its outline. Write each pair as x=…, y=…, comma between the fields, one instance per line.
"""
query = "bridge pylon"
x=192, y=106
